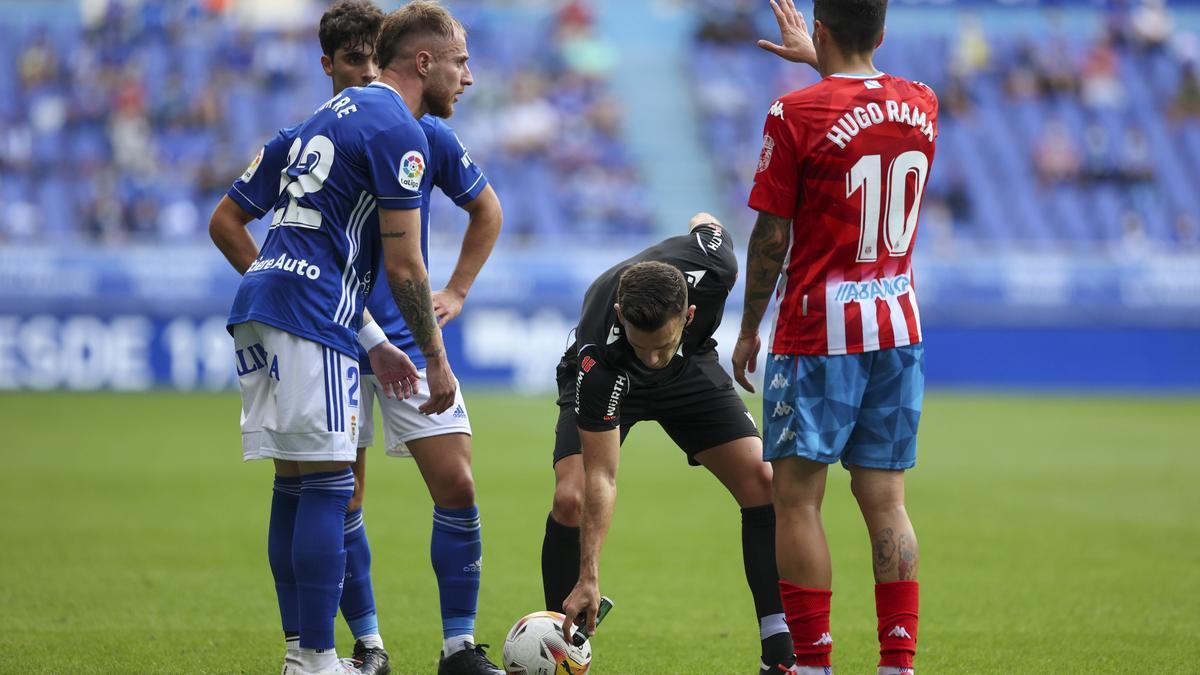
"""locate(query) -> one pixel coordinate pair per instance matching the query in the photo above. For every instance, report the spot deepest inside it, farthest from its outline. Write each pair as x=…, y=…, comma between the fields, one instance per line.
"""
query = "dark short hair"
x=349, y=23
x=414, y=21
x=855, y=24
x=650, y=294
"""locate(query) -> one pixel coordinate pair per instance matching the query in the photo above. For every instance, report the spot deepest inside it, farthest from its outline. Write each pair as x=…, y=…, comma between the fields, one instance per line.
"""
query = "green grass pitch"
x=1058, y=535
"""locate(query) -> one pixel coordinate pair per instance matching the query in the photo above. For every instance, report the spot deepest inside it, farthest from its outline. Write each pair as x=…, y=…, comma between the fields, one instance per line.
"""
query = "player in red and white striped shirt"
x=838, y=191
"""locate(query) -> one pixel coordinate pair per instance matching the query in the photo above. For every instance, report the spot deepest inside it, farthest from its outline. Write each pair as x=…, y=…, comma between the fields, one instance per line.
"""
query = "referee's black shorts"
x=699, y=409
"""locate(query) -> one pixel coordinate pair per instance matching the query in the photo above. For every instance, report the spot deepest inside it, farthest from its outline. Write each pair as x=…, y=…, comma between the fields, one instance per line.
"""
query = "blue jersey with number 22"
x=450, y=168
x=360, y=151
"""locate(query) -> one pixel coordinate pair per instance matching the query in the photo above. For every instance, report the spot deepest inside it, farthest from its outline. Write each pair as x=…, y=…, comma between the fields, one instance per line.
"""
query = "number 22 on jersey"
x=305, y=174
x=901, y=222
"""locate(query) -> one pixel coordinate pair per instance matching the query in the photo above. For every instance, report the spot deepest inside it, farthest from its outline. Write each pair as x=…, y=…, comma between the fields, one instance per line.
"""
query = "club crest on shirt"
x=412, y=168
x=764, y=158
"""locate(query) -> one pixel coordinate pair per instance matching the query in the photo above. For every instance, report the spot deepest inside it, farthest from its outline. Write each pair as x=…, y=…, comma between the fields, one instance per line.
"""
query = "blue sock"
x=285, y=498
x=319, y=553
x=358, y=598
x=457, y=554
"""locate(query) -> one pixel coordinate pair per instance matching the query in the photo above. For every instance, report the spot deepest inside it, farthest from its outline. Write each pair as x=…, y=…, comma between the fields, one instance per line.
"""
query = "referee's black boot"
x=470, y=661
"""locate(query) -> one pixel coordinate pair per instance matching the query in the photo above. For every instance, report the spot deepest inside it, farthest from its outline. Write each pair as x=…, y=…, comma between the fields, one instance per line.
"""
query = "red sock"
x=807, y=613
x=896, y=607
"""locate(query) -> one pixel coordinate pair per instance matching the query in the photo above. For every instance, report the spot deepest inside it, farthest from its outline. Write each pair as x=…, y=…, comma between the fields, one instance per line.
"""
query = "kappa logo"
x=614, y=334
x=786, y=436
x=782, y=409
x=693, y=278
x=776, y=109
x=825, y=639
x=779, y=381
x=900, y=632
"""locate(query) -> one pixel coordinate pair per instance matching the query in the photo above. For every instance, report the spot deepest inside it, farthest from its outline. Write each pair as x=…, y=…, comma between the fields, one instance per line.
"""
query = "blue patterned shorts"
x=860, y=409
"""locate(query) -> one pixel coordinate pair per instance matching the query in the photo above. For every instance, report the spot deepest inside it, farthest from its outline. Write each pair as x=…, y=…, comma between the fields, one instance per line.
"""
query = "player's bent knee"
x=755, y=488
x=760, y=484
x=455, y=492
x=877, y=493
x=568, y=504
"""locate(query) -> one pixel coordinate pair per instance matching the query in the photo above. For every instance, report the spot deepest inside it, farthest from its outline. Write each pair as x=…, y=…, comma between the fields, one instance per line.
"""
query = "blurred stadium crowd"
x=129, y=125
x=1050, y=138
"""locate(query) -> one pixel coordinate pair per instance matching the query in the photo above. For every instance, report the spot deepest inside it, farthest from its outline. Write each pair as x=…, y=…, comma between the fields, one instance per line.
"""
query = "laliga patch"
x=250, y=170
x=764, y=158
x=412, y=168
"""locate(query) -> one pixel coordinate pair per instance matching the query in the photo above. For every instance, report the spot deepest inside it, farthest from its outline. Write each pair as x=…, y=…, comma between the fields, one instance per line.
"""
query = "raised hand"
x=793, y=31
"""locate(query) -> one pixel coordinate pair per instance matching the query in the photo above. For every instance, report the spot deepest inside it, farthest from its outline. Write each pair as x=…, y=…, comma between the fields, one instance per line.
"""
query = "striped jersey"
x=360, y=151
x=846, y=159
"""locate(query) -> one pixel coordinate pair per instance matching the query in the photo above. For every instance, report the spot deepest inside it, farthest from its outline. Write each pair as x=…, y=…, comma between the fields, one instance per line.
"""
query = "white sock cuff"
x=316, y=660
x=772, y=624
x=372, y=641
x=456, y=643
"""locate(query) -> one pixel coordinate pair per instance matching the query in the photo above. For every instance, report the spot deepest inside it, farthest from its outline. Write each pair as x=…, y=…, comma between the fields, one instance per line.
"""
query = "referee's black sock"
x=758, y=555
x=560, y=562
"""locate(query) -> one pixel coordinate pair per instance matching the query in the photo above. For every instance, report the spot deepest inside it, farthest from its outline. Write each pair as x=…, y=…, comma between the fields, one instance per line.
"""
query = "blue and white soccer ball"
x=535, y=646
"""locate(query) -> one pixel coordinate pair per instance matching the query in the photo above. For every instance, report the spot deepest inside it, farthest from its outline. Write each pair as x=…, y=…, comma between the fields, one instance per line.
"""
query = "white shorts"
x=299, y=397
x=403, y=422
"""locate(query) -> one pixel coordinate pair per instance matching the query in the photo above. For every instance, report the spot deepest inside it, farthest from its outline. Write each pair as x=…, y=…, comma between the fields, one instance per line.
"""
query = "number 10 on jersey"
x=867, y=176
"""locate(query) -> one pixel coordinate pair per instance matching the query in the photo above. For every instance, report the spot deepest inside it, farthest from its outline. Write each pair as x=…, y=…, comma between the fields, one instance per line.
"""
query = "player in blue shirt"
x=441, y=443
x=302, y=295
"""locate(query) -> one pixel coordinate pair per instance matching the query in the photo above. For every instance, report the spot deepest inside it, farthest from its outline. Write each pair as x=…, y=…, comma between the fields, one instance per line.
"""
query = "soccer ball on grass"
x=535, y=646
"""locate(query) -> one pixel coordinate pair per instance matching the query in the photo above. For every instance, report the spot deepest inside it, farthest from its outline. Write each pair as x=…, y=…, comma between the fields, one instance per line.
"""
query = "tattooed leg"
x=895, y=556
x=880, y=496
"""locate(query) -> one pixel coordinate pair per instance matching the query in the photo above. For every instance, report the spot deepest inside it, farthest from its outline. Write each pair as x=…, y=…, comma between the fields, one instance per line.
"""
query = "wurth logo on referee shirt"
x=614, y=399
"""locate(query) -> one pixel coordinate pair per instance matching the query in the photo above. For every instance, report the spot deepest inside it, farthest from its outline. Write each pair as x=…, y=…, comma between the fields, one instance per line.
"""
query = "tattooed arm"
x=768, y=247
x=408, y=279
